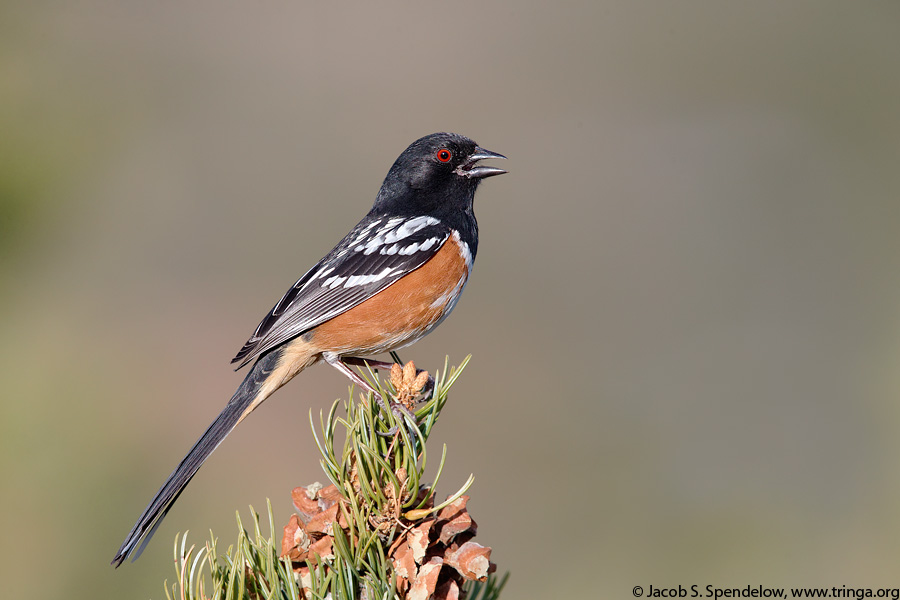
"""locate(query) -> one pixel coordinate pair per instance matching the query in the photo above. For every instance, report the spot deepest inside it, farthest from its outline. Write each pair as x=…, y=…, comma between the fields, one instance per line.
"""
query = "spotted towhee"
x=389, y=282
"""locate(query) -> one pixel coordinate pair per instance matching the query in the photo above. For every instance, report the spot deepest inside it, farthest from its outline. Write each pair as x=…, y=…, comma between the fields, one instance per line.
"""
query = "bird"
x=390, y=281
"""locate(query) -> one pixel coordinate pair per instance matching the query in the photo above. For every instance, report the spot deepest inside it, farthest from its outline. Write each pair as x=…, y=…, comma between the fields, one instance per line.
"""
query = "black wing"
x=375, y=254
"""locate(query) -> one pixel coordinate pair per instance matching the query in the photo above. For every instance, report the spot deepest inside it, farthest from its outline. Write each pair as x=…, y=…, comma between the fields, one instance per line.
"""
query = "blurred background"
x=685, y=316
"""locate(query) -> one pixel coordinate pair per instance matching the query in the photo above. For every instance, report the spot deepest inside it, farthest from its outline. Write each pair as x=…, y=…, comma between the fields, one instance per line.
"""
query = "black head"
x=435, y=174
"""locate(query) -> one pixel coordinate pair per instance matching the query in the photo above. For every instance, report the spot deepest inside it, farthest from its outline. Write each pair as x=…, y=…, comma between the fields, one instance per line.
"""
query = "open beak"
x=475, y=171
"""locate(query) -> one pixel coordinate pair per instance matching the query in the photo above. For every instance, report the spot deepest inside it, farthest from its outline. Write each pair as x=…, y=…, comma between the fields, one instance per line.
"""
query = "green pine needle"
x=372, y=473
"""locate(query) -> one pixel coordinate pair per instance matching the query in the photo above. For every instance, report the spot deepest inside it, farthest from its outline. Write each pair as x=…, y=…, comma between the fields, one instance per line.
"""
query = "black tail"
x=236, y=408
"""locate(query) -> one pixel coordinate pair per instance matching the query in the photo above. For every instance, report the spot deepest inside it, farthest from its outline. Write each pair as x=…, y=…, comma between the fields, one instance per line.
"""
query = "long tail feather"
x=245, y=399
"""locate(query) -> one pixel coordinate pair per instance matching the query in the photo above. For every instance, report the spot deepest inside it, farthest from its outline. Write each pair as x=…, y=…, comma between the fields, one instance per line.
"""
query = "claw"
x=402, y=414
x=427, y=392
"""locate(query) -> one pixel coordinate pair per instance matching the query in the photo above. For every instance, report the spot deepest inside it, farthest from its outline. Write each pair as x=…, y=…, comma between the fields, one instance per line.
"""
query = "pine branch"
x=376, y=531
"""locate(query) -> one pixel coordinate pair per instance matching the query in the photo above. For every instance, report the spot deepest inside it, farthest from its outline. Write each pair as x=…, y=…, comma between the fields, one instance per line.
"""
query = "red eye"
x=444, y=155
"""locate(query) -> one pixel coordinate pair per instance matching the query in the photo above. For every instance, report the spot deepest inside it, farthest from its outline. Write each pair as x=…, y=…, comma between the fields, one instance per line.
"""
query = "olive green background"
x=685, y=314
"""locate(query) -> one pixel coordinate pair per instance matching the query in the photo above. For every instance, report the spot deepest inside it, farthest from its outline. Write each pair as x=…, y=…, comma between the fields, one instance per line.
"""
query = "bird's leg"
x=427, y=391
x=396, y=408
x=363, y=362
x=341, y=365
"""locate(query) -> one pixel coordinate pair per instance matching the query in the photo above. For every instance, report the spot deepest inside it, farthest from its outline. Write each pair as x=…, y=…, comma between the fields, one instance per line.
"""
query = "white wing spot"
x=376, y=242
x=427, y=244
x=333, y=282
x=410, y=227
x=411, y=249
x=388, y=235
x=355, y=280
x=372, y=246
x=364, y=233
x=320, y=274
